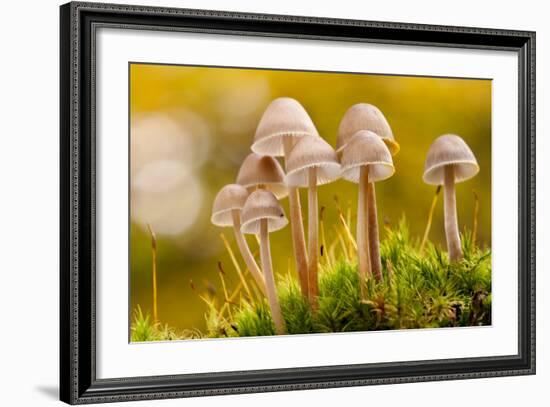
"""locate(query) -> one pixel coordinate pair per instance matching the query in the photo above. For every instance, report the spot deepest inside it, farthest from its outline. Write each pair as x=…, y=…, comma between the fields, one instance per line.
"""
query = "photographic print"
x=278, y=202
x=231, y=181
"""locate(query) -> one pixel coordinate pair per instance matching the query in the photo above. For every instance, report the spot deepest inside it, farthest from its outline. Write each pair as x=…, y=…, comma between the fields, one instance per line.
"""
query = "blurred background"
x=191, y=127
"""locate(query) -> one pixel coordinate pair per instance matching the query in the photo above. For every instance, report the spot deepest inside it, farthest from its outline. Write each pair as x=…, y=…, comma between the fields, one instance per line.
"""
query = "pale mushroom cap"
x=230, y=197
x=284, y=117
x=366, y=148
x=449, y=149
x=312, y=152
x=265, y=171
x=262, y=204
x=364, y=116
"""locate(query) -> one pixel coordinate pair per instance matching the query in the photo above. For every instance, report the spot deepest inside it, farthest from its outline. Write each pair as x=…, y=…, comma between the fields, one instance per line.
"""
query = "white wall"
x=29, y=201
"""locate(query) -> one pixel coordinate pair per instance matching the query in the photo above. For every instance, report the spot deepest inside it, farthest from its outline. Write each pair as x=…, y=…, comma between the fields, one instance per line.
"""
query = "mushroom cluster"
x=363, y=155
x=283, y=123
x=263, y=214
x=312, y=162
x=366, y=160
x=226, y=211
x=366, y=144
x=251, y=205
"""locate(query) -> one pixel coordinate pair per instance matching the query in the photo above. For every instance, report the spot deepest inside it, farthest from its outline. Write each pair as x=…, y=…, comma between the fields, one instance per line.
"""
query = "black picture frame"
x=78, y=382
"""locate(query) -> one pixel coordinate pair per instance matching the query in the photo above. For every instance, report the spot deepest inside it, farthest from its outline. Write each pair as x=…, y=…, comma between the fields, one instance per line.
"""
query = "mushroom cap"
x=262, y=204
x=366, y=148
x=230, y=197
x=312, y=152
x=449, y=149
x=263, y=170
x=363, y=116
x=284, y=117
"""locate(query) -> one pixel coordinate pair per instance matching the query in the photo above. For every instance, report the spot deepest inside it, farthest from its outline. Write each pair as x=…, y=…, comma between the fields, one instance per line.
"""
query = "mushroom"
x=261, y=215
x=365, y=160
x=262, y=171
x=364, y=116
x=312, y=162
x=226, y=211
x=283, y=123
x=449, y=161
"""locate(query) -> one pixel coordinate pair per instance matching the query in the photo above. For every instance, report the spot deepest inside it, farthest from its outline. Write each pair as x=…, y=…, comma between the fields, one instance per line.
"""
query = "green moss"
x=419, y=290
x=295, y=308
x=144, y=330
x=254, y=320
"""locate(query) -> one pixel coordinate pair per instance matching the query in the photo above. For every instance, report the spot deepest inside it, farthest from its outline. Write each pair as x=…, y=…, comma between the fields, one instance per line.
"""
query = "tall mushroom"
x=226, y=211
x=448, y=162
x=312, y=162
x=365, y=160
x=262, y=171
x=283, y=123
x=263, y=214
x=364, y=116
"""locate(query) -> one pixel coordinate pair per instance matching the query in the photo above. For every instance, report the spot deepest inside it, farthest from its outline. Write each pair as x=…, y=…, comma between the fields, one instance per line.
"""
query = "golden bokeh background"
x=191, y=127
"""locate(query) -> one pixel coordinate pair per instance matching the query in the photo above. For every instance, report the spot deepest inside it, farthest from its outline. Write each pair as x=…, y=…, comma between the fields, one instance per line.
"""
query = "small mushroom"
x=283, y=123
x=312, y=162
x=449, y=161
x=262, y=171
x=261, y=215
x=364, y=116
x=365, y=160
x=226, y=211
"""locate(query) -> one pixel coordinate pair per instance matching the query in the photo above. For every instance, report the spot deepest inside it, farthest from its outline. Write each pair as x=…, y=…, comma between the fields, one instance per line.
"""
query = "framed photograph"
x=255, y=203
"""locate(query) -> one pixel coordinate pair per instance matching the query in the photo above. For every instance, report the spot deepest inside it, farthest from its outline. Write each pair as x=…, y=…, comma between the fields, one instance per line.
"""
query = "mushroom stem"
x=265, y=255
x=297, y=228
x=362, y=236
x=298, y=238
x=374, y=240
x=313, y=231
x=245, y=251
x=451, y=223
